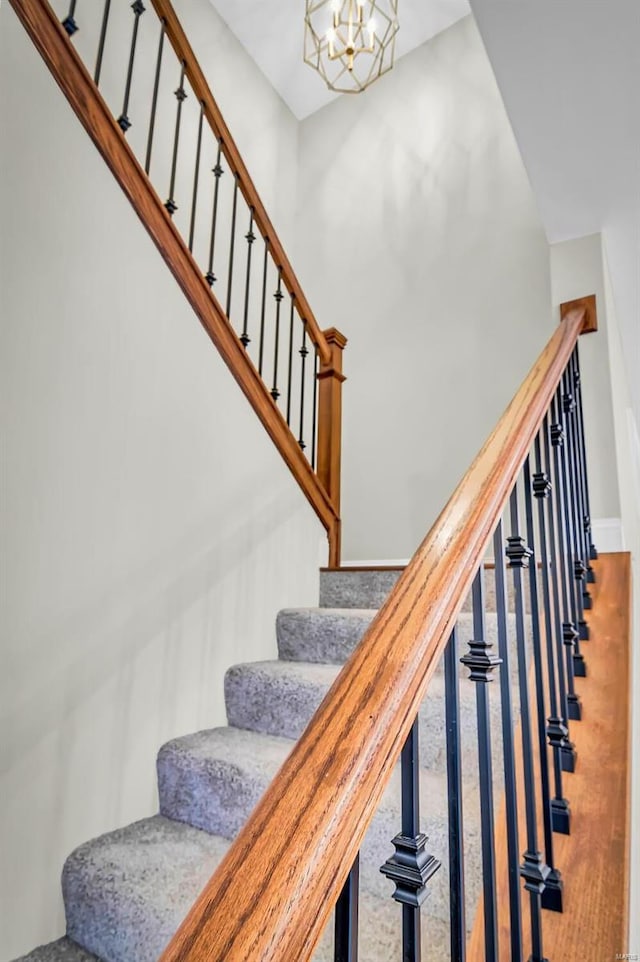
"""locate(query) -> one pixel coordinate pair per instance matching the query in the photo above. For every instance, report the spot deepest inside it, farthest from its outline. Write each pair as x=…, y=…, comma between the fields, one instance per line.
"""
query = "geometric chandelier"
x=350, y=42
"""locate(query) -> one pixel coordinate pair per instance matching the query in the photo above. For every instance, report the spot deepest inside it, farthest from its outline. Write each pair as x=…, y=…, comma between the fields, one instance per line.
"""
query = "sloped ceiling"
x=272, y=33
x=569, y=74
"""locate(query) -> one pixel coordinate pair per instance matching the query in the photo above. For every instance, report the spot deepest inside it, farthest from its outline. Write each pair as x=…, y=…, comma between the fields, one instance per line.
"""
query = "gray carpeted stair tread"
x=214, y=779
x=63, y=950
x=329, y=635
x=370, y=587
x=127, y=892
x=280, y=698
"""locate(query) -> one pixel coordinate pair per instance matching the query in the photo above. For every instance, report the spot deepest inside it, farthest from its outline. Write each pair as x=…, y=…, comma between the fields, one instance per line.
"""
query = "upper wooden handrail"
x=71, y=75
x=271, y=897
x=196, y=77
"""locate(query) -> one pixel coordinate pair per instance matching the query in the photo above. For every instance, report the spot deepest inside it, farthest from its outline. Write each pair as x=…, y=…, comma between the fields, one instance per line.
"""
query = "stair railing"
x=297, y=858
x=216, y=236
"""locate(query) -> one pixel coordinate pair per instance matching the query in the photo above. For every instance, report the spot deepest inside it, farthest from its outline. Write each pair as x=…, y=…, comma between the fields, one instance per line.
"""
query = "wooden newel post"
x=330, y=378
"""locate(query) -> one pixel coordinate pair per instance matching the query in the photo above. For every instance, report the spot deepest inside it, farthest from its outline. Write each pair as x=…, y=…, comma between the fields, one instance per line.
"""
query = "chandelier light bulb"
x=348, y=49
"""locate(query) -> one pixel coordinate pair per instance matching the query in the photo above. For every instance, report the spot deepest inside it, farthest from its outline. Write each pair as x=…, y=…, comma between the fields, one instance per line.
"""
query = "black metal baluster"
x=232, y=248
x=346, y=918
x=458, y=927
x=568, y=632
x=582, y=523
x=181, y=96
x=154, y=98
x=411, y=867
x=196, y=178
x=123, y=120
x=303, y=354
x=314, y=413
x=293, y=301
x=556, y=729
x=552, y=893
x=584, y=572
x=217, y=172
x=481, y=662
x=510, y=792
x=575, y=566
x=533, y=870
x=103, y=37
x=264, y=304
x=593, y=554
x=552, y=436
x=69, y=22
x=275, y=393
x=250, y=238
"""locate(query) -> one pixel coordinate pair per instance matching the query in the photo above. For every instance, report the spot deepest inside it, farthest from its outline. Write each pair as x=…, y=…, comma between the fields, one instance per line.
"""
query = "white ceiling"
x=569, y=74
x=272, y=33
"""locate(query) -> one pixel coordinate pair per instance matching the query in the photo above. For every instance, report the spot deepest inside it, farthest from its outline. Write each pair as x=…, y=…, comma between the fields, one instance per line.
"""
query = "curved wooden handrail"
x=197, y=79
x=76, y=83
x=271, y=897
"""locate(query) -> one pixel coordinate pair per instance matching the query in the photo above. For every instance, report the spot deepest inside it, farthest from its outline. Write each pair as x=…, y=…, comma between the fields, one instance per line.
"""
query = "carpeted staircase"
x=126, y=892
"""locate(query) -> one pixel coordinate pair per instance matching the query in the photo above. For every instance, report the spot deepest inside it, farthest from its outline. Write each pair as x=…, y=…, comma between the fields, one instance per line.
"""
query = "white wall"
x=149, y=530
x=418, y=237
x=577, y=270
x=628, y=459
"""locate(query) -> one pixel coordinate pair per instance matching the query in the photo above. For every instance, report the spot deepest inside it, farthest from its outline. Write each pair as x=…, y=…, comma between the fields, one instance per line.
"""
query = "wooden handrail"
x=52, y=42
x=184, y=52
x=271, y=897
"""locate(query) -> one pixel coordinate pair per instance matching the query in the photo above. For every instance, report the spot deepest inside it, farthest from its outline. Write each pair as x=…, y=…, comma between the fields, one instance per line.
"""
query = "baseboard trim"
x=607, y=534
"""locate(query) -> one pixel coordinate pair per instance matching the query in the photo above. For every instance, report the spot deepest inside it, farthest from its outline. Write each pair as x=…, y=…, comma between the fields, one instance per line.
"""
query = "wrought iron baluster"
x=575, y=566
x=264, y=304
x=552, y=893
x=481, y=663
x=303, y=354
x=584, y=572
x=552, y=437
x=458, y=927
x=411, y=867
x=533, y=870
x=278, y=296
x=346, y=918
x=69, y=22
x=250, y=239
x=314, y=414
x=154, y=98
x=573, y=656
x=123, y=120
x=101, y=42
x=181, y=96
x=292, y=298
x=511, y=800
x=557, y=731
x=217, y=171
x=196, y=178
x=232, y=248
x=593, y=554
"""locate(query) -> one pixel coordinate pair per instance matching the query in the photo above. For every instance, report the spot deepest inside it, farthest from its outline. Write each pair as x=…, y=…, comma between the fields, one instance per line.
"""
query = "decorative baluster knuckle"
x=541, y=485
x=69, y=22
x=556, y=434
x=568, y=402
x=517, y=552
x=480, y=661
x=534, y=871
x=410, y=868
x=579, y=569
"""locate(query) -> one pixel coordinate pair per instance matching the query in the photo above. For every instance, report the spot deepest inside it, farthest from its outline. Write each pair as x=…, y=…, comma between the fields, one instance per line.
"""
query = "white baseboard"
x=607, y=534
x=378, y=563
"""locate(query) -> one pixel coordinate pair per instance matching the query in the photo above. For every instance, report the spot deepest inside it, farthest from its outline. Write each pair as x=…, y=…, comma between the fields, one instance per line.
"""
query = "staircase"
x=127, y=892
